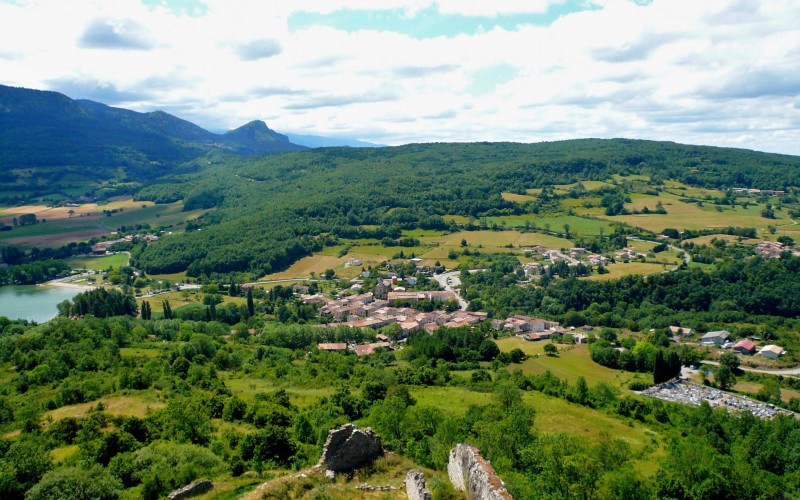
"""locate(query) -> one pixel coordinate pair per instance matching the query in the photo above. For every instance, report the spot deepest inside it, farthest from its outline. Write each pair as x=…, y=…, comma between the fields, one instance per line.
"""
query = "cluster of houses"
x=773, y=250
x=360, y=350
x=375, y=310
x=627, y=254
x=744, y=346
x=758, y=192
x=573, y=256
x=102, y=247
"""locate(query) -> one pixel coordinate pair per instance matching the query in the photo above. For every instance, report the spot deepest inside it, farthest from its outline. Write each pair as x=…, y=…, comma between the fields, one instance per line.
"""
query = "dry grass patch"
x=621, y=269
x=305, y=266
x=572, y=362
x=132, y=406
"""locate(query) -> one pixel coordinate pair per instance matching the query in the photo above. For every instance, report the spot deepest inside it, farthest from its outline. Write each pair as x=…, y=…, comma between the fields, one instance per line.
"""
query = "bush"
x=638, y=385
x=77, y=484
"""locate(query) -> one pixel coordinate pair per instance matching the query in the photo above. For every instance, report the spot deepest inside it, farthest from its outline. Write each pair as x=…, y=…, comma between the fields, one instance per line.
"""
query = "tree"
x=566, y=231
x=551, y=350
x=518, y=355
x=146, y=312
x=167, y=309
x=730, y=360
x=251, y=309
x=724, y=377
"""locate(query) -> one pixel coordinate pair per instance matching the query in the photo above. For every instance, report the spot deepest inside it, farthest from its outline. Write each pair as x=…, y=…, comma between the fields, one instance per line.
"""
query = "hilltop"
x=53, y=144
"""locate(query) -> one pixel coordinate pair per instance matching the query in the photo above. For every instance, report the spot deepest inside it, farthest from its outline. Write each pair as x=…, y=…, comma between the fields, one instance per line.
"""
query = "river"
x=36, y=303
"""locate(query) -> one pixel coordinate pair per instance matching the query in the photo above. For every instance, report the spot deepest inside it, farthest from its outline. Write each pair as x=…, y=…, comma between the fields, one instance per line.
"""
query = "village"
x=390, y=303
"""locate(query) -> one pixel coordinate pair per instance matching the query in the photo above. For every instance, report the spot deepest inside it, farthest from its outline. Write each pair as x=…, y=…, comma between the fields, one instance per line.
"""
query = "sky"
x=715, y=72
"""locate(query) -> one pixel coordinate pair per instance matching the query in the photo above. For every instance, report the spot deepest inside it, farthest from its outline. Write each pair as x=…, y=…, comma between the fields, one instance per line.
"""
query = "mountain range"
x=50, y=143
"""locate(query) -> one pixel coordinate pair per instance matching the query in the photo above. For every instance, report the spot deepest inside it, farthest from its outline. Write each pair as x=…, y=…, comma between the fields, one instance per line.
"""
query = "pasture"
x=100, y=263
x=572, y=362
x=682, y=215
x=131, y=406
x=553, y=415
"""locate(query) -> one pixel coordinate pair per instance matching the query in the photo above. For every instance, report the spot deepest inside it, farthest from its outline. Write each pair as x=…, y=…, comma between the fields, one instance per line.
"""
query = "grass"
x=553, y=415
x=493, y=241
x=682, y=215
x=571, y=363
x=390, y=469
x=517, y=198
x=247, y=388
x=621, y=269
x=140, y=352
x=101, y=263
x=577, y=225
x=133, y=406
x=64, y=453
x=305, y=266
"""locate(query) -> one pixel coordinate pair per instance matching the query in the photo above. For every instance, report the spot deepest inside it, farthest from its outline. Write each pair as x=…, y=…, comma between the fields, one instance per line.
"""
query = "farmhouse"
x=332, y=347
x=772, y=351
x=717, y=337
x=679, y=330
x=745, y=346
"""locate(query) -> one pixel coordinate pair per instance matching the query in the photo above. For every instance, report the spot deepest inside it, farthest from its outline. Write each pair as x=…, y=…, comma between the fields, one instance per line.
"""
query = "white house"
x=772, y=351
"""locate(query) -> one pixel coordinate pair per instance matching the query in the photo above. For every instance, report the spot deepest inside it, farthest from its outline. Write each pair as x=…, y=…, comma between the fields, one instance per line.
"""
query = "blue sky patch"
x=427, y=23
x=485, y=80
x=194, y=8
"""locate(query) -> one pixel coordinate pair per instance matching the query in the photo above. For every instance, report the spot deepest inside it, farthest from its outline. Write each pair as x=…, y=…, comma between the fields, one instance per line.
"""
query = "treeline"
x=747, y=290
x=33, y=272
x=295, y=198
x=456, y=345
x=100, y=303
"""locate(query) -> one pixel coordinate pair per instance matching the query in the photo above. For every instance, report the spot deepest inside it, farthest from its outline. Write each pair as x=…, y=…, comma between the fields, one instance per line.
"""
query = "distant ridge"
x=318, y=141
x=53, y=137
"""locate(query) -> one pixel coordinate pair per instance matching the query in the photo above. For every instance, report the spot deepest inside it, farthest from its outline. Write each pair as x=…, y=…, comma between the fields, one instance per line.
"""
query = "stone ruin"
x=415, y=486
x=348, y=447
x=472, y=473
x=193, y=489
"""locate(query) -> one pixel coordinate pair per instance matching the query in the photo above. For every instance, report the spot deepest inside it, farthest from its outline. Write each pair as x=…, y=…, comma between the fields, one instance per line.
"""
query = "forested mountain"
x=51, y=136
x=296, y=199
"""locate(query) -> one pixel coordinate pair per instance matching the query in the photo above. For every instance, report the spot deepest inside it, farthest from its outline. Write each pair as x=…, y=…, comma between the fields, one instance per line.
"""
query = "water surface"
x=35, y=303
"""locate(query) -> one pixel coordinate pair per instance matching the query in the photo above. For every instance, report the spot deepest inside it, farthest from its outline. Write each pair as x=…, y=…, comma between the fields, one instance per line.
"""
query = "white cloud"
x=719, y=72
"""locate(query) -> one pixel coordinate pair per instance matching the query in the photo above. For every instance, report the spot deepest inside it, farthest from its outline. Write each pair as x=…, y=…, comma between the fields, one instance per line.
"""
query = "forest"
x=198, y=427
x=405, y=187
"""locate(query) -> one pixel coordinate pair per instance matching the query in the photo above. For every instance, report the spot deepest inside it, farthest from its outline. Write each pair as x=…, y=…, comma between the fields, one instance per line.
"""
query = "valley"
x=233, y=319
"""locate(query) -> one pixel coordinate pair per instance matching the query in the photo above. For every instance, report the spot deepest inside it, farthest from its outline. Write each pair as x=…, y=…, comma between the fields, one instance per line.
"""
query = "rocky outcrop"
x=415, y=486
x=348, y=447
x=195, y=488
x=472, y=473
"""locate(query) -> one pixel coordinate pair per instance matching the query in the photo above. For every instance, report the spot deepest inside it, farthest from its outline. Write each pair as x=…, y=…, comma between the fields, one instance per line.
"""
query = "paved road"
x=686, y=257
x=786, y=371
x=450, y=281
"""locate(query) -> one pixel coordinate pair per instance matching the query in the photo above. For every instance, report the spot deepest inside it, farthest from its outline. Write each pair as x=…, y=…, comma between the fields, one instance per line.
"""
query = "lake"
x=36, y=303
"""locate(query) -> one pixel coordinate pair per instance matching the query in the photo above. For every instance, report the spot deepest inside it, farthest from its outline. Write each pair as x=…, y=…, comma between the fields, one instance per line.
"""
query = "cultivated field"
x=87, y=221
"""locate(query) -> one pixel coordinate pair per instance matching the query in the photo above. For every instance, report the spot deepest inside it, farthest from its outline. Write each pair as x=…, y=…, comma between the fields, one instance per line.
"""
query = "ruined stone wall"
x=470, y=472
x=348, y=447
x=196, y=488
x=415, y=486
